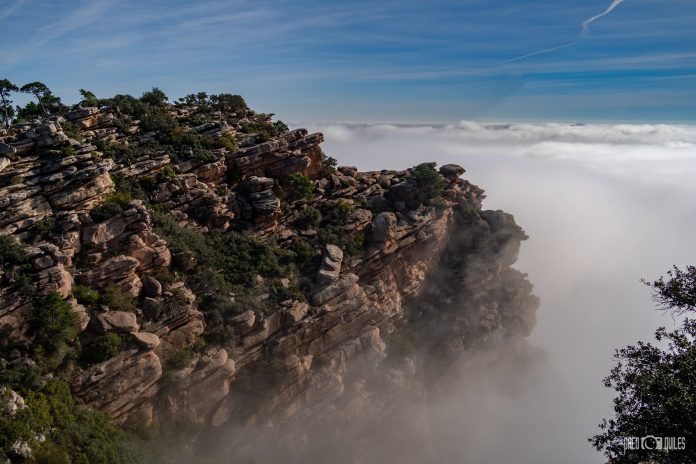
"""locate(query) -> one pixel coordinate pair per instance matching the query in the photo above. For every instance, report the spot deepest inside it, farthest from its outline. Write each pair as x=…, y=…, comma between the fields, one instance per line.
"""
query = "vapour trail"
x=583, y=31
x=540, y=52
x=586, y=24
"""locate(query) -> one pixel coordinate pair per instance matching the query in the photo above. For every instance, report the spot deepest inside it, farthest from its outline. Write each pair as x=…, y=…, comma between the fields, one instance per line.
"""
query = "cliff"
x=224, y=274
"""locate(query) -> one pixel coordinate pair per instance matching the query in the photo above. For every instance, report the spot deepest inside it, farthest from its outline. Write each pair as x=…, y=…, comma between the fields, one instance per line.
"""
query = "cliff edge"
x=220, y=271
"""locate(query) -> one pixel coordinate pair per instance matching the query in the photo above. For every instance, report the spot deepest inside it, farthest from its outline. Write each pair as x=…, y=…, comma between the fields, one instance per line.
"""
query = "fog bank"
x=604, y=205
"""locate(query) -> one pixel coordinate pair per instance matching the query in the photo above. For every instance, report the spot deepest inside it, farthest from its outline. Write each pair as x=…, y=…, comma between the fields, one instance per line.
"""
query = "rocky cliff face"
x=402, y=274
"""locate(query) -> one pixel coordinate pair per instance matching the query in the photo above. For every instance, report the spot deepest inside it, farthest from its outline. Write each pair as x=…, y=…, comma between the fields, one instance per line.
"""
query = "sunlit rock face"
x=403, y=277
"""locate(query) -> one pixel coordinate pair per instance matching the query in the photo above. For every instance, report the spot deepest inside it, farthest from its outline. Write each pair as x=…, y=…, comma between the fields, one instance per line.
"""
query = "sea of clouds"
x=604, y=206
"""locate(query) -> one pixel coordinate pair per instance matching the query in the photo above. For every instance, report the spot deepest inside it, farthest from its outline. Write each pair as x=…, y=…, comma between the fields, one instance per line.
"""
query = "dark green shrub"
x=74, y=434
x=67, y=152
x=123, y=153
x=429, y=180
x=328, y=166
x=136, y=187
x=308, y=217
x=264, y=131
x=54, y=322
x=165, y=175
x=116, y=299
x=72, y=130
x=183, y=144
x=16, y=271
x=113, y=205
x=298, y=187
x=102, y=348
x=304, y=252
x=179, y=359
x=88, y=98
x=154, y=97
x=279, y=293
x=228, y=142
x=85, y=295
x=279, y=127
x=157, y=120
x=43, y=229
x=227, y=103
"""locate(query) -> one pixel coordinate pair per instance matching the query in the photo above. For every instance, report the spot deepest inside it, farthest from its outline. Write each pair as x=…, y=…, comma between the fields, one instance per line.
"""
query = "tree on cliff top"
x=38, y=90
x=656, y=385
x=5, y=88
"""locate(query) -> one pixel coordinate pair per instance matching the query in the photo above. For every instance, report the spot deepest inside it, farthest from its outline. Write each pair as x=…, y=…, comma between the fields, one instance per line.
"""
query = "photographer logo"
x=653, y=443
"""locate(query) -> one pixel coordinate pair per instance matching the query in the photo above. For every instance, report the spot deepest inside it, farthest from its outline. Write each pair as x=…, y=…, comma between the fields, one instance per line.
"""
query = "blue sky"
x=370, y=60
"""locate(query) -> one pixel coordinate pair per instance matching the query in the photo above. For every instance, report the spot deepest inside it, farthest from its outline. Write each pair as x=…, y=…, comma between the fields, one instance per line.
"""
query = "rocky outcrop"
x=386, y=262
x=129, y=234
x=295, y=151
x=47, y=181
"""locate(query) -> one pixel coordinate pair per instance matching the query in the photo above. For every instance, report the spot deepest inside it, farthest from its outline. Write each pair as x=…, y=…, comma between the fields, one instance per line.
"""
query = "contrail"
x=586, y=24
x=583, y=31
x=538, y=53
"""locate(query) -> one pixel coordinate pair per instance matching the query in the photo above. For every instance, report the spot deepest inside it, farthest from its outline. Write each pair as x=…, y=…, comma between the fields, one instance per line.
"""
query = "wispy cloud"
x=9, y=11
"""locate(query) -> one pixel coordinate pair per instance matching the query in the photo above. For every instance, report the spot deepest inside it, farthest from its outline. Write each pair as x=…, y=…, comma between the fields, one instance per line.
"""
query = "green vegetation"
x=73, y=434
x=655, y=384
x=265, y=131
x=165, y=175
x=331, y=229
x=328, y=166
x=179, y=359
x=116, y=299
x=54, y=323
x=113, y=205
x=222, y=268
x=308, y=217
x=228, y=142
x=184, y=144
x=43, y=229
x=154, y=97
x=127, y=154
x=72, y=130
x=88, y=98
x=102, y=348
x=298, y=187
x=429, y=181
x=15, y=266
x=85, y=295
x=6, y=87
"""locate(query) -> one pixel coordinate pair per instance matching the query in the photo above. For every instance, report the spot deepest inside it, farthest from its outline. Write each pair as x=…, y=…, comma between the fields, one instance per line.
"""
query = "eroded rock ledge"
x=419, y=260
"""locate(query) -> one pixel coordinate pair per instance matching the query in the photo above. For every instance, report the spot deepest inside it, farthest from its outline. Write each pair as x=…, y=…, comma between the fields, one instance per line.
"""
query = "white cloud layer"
x=604, y=205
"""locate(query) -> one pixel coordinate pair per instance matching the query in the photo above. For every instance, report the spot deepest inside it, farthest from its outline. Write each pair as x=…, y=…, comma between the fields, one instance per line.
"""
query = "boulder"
x=258, y=184
x=452, y=171
x=6, y=149
x=330, y=267
x=152, y=287
x=146, y=340
x=335, y=289
x=119, y=321
x=383, y=226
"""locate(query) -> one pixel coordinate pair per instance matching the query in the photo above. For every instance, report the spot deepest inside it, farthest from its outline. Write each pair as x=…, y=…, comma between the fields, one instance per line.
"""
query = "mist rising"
x=604, y=205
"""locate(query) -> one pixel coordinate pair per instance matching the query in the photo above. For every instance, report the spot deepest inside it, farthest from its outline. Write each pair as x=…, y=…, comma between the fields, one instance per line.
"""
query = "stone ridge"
x=430, y=264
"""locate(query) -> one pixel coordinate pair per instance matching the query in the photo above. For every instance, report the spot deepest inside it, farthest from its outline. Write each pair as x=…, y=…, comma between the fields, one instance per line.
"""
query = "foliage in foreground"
x=60, y=431
x=656, y=384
